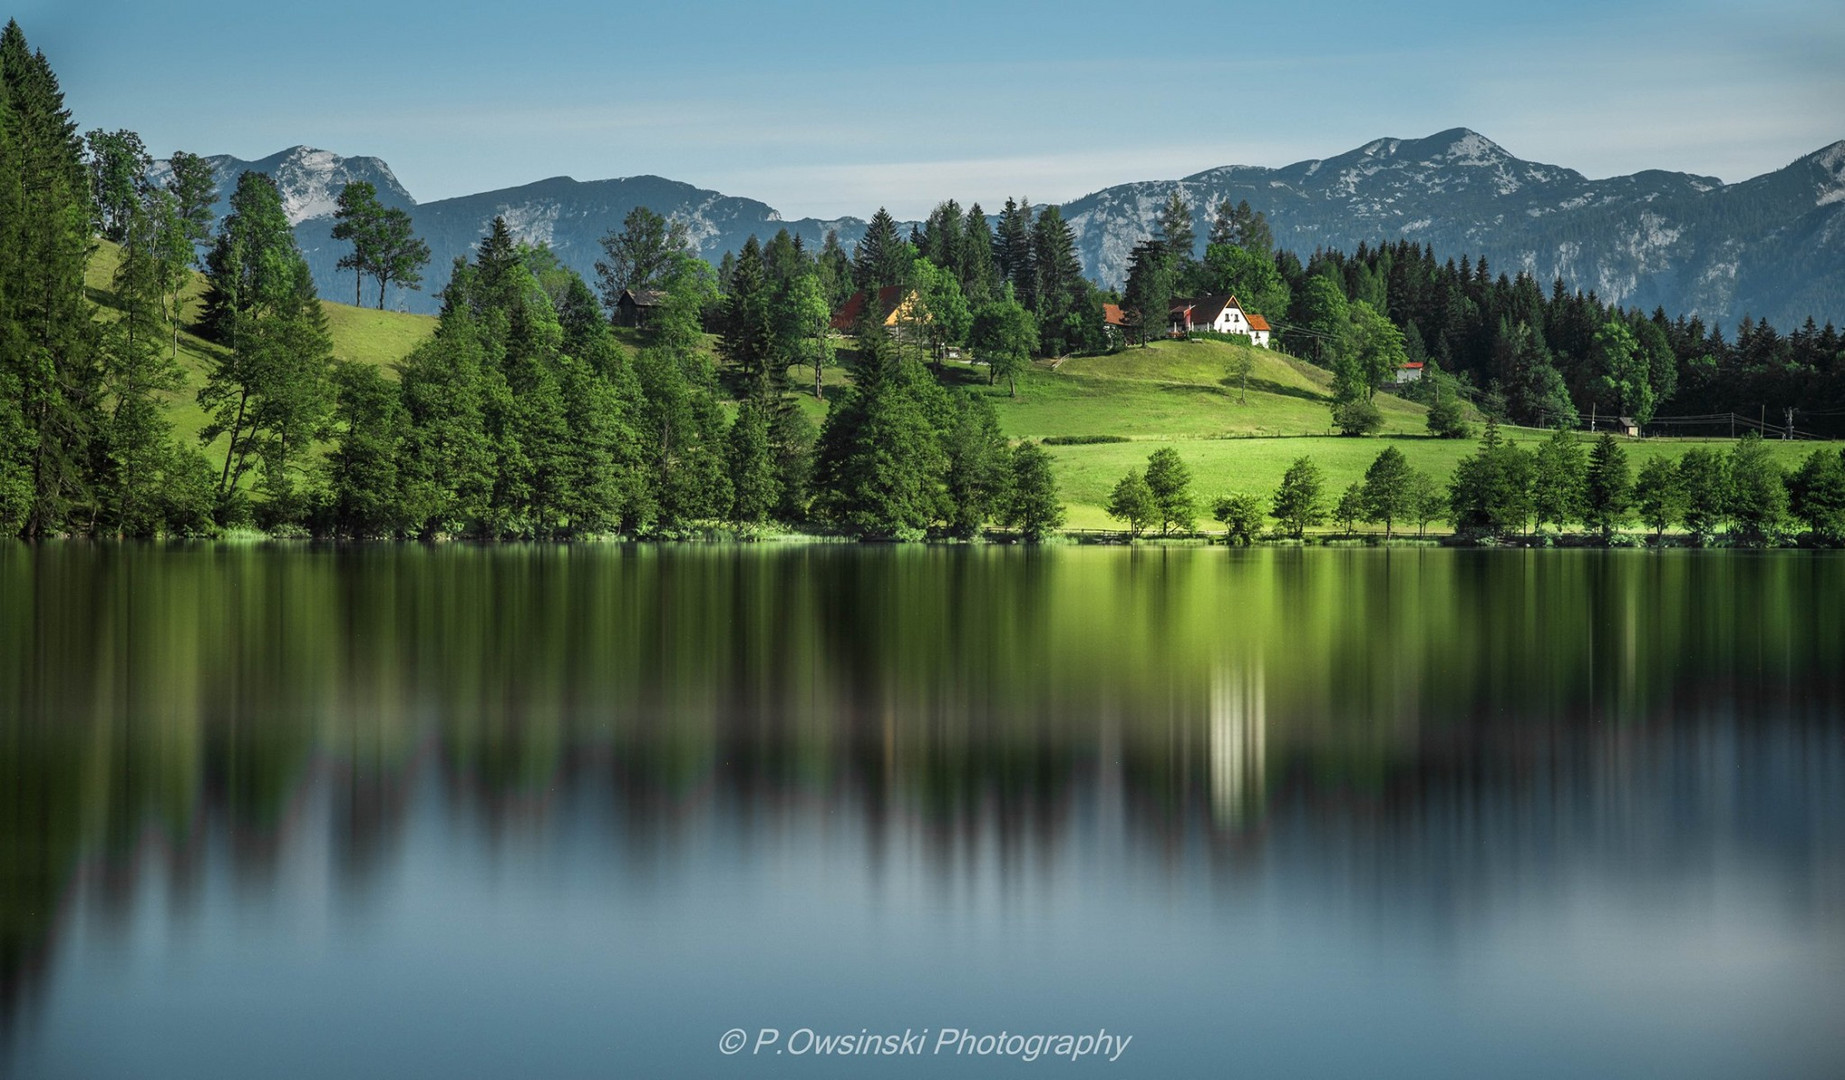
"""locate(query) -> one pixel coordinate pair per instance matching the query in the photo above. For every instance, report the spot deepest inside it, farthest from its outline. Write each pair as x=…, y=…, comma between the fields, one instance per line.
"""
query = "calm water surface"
x=578, y=812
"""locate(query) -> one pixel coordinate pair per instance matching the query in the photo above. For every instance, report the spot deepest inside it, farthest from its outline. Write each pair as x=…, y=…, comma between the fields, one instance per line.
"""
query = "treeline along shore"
x=165, y=374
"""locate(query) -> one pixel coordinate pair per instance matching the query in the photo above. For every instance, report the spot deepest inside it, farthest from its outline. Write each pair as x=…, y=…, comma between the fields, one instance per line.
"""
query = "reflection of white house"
x=1221, y=314
x=1238, y=743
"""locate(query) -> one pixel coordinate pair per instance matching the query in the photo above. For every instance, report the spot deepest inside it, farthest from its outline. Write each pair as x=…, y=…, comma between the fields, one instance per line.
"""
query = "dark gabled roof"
x=643, y=297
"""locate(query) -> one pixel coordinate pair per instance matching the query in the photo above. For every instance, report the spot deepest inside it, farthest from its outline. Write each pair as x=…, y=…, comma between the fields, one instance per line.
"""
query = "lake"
x=711, y=811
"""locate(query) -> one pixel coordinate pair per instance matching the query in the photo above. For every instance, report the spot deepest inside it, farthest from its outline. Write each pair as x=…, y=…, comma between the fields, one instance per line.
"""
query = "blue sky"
x=829, y=108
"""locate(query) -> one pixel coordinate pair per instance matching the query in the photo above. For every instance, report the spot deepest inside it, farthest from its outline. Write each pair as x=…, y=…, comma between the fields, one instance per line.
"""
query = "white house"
x=1221, y=314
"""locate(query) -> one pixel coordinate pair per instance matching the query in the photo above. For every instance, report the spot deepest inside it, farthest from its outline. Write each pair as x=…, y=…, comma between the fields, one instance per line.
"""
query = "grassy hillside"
x=362, y=334
x=1177, y=393
x=1182, y=389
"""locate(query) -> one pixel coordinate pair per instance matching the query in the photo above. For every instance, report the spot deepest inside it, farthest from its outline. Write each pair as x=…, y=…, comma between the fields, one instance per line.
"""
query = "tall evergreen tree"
x=1149, y=289
x=882, y=257
x=1607, y=487
x=138, y=372
x=1059, y=281
x=979, y=276
x=47, y=339
x=1012, y=254
x=748, y=341
x=752, y=468
x=1175, y=229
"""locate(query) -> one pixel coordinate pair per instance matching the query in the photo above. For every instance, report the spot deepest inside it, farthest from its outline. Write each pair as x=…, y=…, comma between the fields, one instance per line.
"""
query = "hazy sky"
x=829, y=108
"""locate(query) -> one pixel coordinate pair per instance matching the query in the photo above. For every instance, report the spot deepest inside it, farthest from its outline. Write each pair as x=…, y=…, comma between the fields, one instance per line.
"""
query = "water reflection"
x=1423, y=741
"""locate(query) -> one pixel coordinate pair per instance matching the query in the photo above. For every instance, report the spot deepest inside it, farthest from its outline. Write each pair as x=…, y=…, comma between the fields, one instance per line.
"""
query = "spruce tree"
x=1012, y=254
x=1607, y=488
x=752, y=468
x=979, y=278
x=47, y=339
x=138, y=374
x=882, y=258
x=1175, y=230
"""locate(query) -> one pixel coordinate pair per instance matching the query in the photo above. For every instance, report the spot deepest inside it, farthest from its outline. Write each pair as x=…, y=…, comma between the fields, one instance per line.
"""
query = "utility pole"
x=1789, y=433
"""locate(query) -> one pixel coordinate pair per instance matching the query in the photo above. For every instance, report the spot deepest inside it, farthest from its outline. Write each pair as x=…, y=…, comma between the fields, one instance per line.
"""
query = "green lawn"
x=1088, y=473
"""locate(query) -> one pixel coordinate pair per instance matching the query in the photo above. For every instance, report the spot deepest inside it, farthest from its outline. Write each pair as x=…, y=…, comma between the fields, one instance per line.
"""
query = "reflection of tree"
x=981, y=704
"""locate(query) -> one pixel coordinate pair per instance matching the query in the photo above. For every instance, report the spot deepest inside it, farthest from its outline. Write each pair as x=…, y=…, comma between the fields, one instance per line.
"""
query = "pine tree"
x=979, y=277
x=1175, y=229
x=369, y=427
x=1058, y=281
x=1012, y=255
x=880, y=466
x=1149, y=289
x=752, y=469
x=47, y=339
x=979, y=473
x=1607, y=488
x=882, y=258
x=748, y=341
x=138, y=373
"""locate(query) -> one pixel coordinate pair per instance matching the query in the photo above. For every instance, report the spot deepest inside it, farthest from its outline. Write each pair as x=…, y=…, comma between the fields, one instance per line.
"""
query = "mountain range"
x=1772, y=247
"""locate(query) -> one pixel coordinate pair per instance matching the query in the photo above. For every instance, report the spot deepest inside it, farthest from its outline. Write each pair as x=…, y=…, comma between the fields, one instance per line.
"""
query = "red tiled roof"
x=1413, y=365
x=1257, y=322
x=847, y=315
x=1113, y=315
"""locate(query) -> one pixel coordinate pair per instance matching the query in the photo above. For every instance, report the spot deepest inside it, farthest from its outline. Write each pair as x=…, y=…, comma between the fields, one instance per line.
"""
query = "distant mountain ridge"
x=1772, y=246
